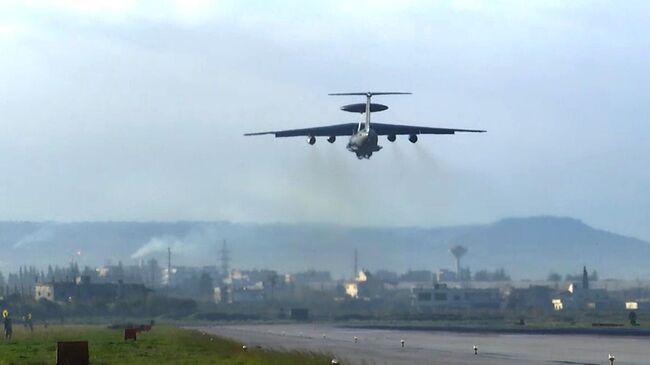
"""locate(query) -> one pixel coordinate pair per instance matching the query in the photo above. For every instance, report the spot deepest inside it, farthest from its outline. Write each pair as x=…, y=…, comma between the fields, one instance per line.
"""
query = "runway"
x=378, y=347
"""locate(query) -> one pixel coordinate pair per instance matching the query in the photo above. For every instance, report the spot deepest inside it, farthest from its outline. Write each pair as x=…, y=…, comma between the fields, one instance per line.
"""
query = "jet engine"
x=331, y=139
x=391, y=137
x=311, y=140
x=413, y=138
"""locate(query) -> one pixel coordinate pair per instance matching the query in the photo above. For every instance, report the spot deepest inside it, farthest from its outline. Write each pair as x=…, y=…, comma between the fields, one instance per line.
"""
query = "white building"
x=441, y=296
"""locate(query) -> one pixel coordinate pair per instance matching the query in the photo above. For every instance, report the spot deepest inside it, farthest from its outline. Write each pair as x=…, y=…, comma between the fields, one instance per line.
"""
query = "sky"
x=120, y=110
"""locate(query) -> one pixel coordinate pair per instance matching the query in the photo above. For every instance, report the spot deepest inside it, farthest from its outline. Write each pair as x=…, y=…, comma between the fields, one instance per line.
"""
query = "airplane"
x=364, y=135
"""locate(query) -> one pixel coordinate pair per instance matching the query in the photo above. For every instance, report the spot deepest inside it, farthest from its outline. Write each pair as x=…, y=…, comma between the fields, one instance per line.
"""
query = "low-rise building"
x=83, y=290
x=443, y=297
x=254, y=293
x=535, y=297
x=578, y=297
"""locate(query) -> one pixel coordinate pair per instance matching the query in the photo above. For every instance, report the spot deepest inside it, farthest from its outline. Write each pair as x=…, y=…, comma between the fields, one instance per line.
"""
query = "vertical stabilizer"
x=369, y=95
x=367, y=126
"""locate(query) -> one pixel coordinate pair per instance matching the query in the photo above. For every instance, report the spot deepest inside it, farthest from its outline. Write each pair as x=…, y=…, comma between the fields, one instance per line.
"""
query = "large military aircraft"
x=364, y=135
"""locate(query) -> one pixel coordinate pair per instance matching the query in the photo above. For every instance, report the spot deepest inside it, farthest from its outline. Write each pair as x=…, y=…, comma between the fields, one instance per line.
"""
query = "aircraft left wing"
x=388, y=129
x=347, y=129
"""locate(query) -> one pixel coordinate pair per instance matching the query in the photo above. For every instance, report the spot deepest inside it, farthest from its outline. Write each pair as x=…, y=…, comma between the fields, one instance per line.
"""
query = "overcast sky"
x=135, y=111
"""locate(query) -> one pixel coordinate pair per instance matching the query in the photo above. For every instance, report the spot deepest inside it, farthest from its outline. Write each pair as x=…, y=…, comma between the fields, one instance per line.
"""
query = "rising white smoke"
x=157, y=245
x=43, y=234
x=193, y=245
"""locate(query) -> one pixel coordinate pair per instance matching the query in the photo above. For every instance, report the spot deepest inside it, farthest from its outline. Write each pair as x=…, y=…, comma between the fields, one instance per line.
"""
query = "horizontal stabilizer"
x=371, y=93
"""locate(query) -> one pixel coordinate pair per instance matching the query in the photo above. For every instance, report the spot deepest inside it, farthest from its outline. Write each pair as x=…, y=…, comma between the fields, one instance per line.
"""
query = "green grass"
x=162, y=345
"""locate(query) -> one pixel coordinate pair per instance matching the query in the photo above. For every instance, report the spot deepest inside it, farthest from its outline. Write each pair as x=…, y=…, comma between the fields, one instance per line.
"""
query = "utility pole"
x=356, y=264
x=152, y=273
x=169, y=266
x=224, y=254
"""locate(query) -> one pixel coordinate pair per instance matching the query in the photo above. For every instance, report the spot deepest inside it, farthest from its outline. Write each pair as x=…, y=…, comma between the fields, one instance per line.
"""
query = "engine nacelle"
x=413, y=138
x=331, y=139
x=391, y=137
x=311, y=140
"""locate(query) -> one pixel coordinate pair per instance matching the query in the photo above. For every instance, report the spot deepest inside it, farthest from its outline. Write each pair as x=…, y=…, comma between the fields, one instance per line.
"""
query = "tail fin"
x=368, y=95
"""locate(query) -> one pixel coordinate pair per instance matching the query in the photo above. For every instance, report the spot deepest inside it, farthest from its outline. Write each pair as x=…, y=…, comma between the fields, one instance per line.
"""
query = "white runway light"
x=611, y=359
x=356, y=339
x=244, y=348
x=334, y=362
x=475, y=350
x=402, y=342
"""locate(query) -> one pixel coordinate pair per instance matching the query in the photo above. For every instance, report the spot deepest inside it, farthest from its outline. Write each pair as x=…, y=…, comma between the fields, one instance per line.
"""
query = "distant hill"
x=525, y=247
x=529, y=247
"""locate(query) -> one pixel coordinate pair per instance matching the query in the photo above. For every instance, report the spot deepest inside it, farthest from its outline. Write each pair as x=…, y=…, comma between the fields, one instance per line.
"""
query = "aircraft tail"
x=369, y=95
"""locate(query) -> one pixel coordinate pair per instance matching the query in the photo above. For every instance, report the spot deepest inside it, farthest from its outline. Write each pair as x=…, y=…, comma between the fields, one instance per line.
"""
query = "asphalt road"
x=383, y=346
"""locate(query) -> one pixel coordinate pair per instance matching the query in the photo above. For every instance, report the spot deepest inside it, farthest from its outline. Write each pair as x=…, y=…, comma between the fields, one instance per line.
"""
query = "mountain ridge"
x=527, y=247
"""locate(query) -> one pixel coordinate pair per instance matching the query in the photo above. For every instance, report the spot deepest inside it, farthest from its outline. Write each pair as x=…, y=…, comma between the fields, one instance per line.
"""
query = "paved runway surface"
x=383, y=346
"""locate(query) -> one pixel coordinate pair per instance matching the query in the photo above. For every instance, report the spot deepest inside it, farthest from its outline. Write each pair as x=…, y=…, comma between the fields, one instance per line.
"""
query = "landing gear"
x=365, y=155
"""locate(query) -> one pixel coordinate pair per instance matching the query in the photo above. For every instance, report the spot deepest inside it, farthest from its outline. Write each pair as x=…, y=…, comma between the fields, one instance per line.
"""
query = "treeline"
x=22, y=282
x=556, y=277
x=151, y=306
x=496, y=275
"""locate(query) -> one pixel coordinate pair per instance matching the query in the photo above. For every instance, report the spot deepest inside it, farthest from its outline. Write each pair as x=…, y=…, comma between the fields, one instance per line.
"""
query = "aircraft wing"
x=388, y=129
x=347, y=129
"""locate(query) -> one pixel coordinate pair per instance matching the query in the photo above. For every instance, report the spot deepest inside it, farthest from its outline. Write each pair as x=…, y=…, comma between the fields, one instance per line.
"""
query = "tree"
x=482, y=275
x=74, y=270
x=573, y=278
x=554, y=277
x=206, y=286
x=273, y=279
x=465, y=274
x=50, y=273
x=154, y=273
x=501, y=275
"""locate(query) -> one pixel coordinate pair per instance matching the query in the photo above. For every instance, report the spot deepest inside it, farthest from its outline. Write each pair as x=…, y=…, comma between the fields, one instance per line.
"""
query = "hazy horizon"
x=317, y=224
x=542, y=245
x=119, y=111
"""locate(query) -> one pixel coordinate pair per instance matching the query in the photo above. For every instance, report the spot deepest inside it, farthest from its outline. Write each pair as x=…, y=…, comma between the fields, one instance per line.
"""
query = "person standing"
x=8, y=327
x=30, y=323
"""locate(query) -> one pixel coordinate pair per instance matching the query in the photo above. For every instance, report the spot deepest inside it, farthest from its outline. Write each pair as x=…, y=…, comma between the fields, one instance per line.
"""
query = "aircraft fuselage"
x=364, y=143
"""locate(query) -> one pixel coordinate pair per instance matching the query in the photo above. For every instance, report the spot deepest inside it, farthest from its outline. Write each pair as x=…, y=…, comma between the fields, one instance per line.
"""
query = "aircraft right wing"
x=388, y=129
x=347, y=129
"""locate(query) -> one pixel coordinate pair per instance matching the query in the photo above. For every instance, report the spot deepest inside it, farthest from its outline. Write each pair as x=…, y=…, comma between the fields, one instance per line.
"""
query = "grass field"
x=162, y=345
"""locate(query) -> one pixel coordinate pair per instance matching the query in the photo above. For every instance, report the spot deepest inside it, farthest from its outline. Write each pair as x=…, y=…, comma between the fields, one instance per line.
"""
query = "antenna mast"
x=225, y=259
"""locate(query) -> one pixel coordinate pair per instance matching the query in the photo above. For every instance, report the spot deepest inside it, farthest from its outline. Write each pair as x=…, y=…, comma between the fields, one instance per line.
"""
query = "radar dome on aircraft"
x=361, y=108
